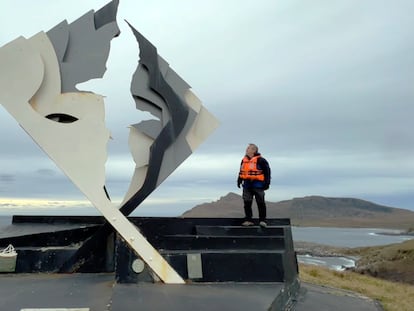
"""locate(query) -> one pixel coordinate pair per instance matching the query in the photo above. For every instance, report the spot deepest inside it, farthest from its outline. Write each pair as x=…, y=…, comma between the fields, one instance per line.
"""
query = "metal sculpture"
x=38, y=80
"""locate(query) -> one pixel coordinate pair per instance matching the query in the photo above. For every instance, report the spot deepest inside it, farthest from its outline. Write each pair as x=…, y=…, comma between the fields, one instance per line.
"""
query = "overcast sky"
x=324, y=88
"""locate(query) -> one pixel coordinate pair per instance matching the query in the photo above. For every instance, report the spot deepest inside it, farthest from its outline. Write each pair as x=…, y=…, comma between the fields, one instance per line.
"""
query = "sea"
x=338, y=237
x=344, y=237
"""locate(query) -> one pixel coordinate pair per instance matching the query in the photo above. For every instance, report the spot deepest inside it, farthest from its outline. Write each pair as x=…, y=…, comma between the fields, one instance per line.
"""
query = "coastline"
x=330, y=257
x=400, y=233
x=320, y=250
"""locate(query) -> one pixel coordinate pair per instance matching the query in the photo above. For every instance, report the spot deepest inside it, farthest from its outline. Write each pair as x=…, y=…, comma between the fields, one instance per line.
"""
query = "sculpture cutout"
x=38, y=88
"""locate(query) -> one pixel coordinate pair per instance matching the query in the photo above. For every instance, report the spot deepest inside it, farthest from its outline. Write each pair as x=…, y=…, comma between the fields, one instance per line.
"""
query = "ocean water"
x=5, y=221
x=348, y=237
x=343, y=237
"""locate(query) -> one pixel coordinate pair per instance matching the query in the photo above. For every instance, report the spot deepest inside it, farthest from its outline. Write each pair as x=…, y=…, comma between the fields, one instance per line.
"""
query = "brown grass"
x=392, y=295
x=394, y=262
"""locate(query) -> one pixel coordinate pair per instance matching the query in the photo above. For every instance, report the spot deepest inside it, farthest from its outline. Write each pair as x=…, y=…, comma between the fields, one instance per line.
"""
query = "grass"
x=394, y=296
x=394, y=262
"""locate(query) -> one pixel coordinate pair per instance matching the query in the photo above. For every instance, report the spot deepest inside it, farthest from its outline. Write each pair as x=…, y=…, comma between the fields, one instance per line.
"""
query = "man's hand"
x=266, y=186
x=239, y=182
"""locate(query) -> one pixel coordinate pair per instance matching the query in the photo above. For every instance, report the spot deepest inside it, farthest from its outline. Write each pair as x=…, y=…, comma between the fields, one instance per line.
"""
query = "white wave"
x=334, y=263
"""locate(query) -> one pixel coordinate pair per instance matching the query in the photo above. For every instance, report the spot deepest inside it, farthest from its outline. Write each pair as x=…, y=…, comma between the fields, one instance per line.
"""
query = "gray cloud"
x=6, y=178
x=324, y=89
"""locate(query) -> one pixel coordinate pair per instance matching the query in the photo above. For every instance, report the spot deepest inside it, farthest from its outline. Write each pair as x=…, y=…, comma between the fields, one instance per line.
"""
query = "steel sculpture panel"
x=38, y=81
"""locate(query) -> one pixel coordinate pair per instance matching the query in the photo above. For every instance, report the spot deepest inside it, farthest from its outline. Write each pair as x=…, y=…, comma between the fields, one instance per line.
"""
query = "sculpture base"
x=226, y=267
x=219, y=259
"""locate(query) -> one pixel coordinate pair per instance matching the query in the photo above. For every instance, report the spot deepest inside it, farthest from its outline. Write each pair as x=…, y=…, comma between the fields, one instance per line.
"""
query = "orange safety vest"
x=249, y=170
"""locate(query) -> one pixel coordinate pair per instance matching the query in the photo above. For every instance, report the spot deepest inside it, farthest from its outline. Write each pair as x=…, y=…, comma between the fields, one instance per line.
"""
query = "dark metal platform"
x=223, y=263
x=226, y=267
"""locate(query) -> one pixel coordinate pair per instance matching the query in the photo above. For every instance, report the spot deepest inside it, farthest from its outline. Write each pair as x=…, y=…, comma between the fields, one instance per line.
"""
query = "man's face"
x=250, y=150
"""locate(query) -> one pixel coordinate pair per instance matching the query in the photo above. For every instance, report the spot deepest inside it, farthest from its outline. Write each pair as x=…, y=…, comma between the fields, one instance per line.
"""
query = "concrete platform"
x=314, y=297
x=100, y=292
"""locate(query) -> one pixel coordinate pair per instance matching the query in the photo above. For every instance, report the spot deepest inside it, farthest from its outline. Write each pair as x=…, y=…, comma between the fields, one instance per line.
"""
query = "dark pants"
x=248, y=195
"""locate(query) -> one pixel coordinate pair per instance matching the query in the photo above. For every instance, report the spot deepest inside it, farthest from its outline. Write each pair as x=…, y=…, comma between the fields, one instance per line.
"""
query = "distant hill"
x=314, y=211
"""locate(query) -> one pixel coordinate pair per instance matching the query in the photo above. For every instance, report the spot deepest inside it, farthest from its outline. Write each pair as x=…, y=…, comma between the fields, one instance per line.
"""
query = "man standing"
x=254, y=175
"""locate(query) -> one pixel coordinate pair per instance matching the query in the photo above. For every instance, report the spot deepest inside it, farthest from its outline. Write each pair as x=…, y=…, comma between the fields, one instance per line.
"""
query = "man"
x=254, y=175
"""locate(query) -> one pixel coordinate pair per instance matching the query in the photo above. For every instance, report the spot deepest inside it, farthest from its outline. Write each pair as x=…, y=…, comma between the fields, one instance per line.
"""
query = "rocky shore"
x=394, y=262
x=314, y=249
